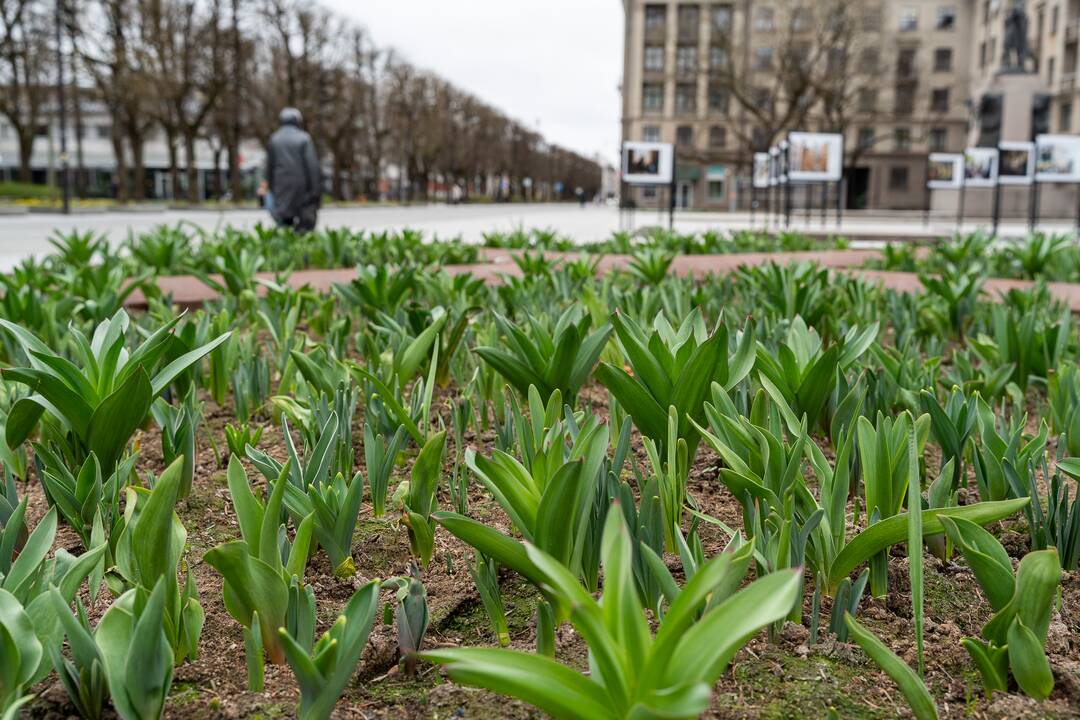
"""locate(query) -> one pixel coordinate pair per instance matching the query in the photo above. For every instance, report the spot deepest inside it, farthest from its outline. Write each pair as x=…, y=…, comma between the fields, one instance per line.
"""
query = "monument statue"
x=1017, y=52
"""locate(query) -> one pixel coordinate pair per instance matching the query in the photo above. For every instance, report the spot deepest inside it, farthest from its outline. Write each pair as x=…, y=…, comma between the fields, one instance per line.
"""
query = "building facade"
x=899, y=79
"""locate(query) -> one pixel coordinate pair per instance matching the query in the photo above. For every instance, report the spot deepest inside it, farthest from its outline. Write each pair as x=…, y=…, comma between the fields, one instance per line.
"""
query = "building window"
x=654, y=58
x=802, y=19
x=765, y=19
x=870, y=60
x=715, y=189
x=104, y=131
x=946, y=18
x=759, y=138
x=902, y=139
x=684, y=136
x=1050, y=65
x=655, y=17
x=938, y=139
x=718, y=99
x=763, y=58
x=652, y=98
x=685, y=98
x=1054, y=17
x=799, y=53
x=650, y=133
x=718, y=58
x=866, y=138
x=762, y=98
x=943, y=60
x=982, y=55
x=909, y=18
x=905, y=63
x=836, y=61
x=898, y=177
x=939, y=100
x=717, y=137
x=871, y=19
x=1065, y=118
x=686, y=59
x=721, y=18
x=649, y=192
x=689, y=20
x=905, y=100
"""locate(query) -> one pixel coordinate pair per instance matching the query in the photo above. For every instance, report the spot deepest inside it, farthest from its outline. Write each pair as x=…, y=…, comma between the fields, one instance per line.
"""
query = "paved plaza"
x=27, y=234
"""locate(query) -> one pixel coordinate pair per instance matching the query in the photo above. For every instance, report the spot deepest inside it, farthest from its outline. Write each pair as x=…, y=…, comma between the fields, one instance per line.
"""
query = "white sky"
x=554, y=65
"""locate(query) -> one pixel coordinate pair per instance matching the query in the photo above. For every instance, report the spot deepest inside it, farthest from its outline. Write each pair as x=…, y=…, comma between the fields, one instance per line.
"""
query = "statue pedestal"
x=1017, y=91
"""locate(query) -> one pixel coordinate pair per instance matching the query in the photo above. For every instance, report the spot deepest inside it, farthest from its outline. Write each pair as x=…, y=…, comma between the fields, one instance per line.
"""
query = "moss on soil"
x=779, y=685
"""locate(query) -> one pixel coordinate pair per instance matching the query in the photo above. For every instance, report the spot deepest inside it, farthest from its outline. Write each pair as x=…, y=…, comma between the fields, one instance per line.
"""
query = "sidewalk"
x=188, y=292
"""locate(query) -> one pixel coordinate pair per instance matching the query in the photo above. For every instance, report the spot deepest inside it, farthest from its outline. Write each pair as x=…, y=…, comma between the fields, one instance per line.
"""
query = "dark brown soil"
x=788, y=677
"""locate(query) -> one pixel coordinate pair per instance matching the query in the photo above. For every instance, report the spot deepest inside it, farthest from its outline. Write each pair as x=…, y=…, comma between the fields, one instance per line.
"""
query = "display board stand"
x=1033, y=205
x=672, y=189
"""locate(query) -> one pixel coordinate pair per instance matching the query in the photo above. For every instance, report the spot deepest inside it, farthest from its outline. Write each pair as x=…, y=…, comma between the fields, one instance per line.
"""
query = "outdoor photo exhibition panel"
x=1050, y=159
x=944, y=171
x=1016, y=163
x=650, y=164
x=979, y=169
x=1057, y=161
x=809, y=160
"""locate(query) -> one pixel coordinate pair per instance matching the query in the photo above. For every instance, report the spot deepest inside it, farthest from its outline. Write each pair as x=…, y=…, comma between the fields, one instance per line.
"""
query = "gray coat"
x=292, y=171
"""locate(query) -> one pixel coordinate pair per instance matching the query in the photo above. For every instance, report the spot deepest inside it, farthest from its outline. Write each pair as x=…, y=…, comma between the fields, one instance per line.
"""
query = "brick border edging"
x=188, y=292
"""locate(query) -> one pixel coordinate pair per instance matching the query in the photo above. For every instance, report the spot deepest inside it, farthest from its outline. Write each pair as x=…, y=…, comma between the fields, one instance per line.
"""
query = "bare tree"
x=220, y=71
x=25, y=71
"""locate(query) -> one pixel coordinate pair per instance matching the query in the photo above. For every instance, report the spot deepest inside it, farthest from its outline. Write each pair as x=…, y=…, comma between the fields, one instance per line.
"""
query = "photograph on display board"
x=816, y=157
x=647, y=163
x=762, y=170
x=1016, y=163
x=1057, y=158
x=980, y=167
x=944, y=171
x=643, y=162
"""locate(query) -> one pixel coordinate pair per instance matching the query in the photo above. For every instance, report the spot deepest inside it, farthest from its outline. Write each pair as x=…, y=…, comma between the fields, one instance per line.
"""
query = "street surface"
x=27, y=234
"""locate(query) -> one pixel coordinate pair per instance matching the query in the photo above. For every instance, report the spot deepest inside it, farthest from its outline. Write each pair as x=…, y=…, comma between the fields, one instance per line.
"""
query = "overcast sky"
x=554, y=65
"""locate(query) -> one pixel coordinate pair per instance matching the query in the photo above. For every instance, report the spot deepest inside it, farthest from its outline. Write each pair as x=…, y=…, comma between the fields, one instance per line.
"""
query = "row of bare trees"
x=218, y=72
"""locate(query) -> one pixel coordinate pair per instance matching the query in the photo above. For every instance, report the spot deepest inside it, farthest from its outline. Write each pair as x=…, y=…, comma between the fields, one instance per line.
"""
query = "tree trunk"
x=233, y=142
x=336, y=187
x=120, y=173
x=26, y=151
x=236, y=189
x=216, y=188
x=192, y=171
x=139, y=166
x=174, y=170
x=80, y=161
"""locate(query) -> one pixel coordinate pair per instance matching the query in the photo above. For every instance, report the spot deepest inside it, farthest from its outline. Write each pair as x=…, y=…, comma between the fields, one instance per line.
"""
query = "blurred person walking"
x=293, y=174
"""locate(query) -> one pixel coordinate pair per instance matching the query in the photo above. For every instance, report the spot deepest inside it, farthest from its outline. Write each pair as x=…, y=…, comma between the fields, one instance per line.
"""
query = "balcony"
x=1072, y=31
x=1068, y=81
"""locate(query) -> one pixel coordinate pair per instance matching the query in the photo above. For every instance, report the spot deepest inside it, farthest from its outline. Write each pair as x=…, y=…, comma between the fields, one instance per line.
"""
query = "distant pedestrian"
x=580, y=194
x=293, y=175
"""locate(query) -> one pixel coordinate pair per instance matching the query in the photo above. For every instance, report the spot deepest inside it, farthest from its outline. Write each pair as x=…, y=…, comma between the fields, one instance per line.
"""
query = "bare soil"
x=785, y=678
